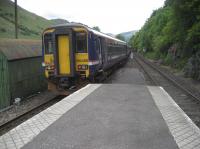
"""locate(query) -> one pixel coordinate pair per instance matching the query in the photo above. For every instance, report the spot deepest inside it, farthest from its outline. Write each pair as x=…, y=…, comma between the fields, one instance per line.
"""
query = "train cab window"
x=48, y=45
x=81, y=42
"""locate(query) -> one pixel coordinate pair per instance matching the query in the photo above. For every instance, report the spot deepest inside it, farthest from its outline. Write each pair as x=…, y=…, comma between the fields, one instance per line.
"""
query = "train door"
x=100, y=51
x=64, y=56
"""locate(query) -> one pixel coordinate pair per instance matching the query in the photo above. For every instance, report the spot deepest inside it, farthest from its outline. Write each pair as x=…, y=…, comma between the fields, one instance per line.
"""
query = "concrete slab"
x=25, y=132
x=184, y=131
x=112, y=117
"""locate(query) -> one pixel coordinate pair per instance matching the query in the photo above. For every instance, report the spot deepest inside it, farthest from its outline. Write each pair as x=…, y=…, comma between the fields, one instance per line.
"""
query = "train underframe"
x=66, y=83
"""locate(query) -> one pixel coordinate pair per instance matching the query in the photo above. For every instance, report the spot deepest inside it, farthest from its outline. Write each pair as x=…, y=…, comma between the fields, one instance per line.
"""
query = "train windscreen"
x=48, y=44
x=81, y=42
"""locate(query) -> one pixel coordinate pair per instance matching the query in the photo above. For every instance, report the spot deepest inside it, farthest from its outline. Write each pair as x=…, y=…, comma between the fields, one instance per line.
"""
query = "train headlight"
x=79, y=67
x=43, y=64
x=82, y=67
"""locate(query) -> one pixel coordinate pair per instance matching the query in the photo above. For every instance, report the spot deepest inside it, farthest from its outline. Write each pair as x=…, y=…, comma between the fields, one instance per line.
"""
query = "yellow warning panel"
x=49, y=61
x=64, y=55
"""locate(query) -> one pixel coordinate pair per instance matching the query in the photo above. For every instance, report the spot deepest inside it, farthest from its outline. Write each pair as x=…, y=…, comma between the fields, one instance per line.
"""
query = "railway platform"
x=108, y=116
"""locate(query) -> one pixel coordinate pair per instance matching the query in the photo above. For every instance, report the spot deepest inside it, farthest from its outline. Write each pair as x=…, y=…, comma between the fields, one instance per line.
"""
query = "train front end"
x=65, y=50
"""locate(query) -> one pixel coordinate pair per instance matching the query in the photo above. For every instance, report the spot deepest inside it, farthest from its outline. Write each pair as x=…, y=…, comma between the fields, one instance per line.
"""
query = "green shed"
x=21, y=72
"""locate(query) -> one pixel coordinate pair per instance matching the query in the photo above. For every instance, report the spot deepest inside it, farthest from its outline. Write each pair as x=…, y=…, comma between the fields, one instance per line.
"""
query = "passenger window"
x=97, y=45
x=48, y=44
x=81, y=42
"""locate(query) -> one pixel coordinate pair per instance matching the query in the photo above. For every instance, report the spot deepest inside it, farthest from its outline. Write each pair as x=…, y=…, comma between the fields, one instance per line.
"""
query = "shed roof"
x=15, y=49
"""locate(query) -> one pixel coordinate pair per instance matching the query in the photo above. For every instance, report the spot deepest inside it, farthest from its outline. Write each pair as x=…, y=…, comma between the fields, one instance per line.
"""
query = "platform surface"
x=108, y=117
x=127, y=76
x=111, y=117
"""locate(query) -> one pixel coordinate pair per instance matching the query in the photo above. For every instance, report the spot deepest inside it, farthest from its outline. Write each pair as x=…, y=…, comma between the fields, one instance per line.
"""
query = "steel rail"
x=146, y=72
x=168, y=78
x=22, y=117
x=9, y=124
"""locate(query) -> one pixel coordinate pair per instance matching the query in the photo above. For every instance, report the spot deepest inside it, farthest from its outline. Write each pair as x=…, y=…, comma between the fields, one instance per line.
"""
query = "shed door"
x=4, y=83
x=64, y=55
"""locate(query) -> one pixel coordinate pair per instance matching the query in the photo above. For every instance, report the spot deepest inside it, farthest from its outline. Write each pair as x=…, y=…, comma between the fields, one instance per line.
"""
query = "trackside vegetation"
x=30, y=25
x=172, y=35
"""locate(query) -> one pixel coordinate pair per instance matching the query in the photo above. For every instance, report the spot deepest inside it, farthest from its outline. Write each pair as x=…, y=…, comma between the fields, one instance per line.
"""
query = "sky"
x=112, y=16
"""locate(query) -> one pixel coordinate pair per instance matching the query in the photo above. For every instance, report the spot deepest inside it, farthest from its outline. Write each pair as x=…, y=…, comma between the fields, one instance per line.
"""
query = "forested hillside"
x=172, y=35
x=128, y=35
x=30, y=24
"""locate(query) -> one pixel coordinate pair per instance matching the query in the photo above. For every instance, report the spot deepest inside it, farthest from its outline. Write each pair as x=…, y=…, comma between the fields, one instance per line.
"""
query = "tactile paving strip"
x=182, y=128
x=25, y=132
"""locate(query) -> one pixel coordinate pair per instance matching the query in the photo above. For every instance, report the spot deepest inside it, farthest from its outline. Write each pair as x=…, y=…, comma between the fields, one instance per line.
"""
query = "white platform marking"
x=25, y=132
x=182, y=128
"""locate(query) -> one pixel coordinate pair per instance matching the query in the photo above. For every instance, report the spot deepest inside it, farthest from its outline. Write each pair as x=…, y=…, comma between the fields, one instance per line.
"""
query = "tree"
x=175, y=26
x=96, y=28
x=130, y=42
x=120, y=37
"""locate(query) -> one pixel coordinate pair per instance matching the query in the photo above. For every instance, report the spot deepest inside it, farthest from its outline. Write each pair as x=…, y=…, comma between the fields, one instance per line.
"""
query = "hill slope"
x=128, y=35
x=30, y=24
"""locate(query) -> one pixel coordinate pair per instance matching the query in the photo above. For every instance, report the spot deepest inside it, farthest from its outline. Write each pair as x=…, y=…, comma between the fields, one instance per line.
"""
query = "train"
x=76, y=50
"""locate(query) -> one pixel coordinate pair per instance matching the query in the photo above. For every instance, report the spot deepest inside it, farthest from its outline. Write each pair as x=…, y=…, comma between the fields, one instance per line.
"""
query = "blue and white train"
x=74, y=49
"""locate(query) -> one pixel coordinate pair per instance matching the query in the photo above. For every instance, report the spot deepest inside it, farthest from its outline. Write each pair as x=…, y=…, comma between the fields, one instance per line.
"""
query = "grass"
x=30, y=25
x=152, y=55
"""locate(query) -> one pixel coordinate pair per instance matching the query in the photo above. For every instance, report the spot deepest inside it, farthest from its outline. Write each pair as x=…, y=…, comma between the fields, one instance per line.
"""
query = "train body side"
x=106, y=55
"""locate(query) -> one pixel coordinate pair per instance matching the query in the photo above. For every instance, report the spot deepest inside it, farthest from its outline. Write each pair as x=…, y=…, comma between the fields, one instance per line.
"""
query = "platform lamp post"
x=16, y=20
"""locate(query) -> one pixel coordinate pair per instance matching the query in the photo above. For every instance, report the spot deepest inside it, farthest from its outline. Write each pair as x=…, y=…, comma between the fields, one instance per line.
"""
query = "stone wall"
x=192, y=69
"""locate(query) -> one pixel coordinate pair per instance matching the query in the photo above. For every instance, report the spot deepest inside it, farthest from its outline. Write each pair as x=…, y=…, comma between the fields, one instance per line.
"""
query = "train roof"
x=89, y=29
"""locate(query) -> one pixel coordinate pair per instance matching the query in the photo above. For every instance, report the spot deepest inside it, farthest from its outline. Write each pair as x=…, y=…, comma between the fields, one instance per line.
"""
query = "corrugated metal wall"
x=26, y=77
x=4, y=83
x=21, y=73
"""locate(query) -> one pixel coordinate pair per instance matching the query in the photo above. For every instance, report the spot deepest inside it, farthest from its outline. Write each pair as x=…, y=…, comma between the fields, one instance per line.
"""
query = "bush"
x=168, y=60
x=155, y=55
x=2, y=30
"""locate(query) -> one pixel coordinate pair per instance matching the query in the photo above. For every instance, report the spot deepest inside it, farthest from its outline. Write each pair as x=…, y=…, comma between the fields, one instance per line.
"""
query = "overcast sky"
x=112, y=16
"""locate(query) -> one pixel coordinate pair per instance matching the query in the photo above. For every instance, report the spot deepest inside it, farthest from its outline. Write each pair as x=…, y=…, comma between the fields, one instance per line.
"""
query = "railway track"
x=23, y=117
x=5, y=127
x=185, y=96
